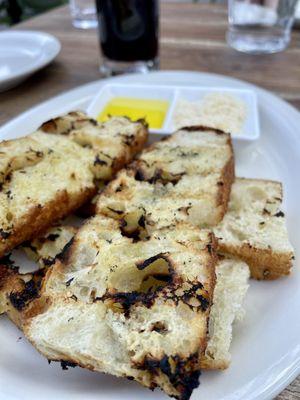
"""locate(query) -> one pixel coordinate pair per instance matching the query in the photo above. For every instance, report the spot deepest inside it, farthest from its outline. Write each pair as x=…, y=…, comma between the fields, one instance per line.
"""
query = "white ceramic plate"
x=22, y=53
x=266, y=345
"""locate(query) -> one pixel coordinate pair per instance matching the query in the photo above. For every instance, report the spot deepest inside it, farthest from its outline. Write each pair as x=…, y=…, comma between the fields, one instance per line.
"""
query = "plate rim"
x=288, y=374
x=37, y=65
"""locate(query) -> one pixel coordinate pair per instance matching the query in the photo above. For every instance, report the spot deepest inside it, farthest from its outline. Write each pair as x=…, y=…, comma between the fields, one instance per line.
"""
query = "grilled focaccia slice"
x=186, y=177
x=117, y=305
x=113, y=143
x=254, y=228
x=52, y=172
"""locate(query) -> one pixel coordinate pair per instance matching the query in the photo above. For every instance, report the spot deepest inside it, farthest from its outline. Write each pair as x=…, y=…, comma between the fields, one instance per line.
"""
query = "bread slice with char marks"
x=193, y=157
x=186, y=177
x=116, y=305
x=113, y=143
x=196, y=150
x=140, y=204
x=52, y=172
x=254, y=228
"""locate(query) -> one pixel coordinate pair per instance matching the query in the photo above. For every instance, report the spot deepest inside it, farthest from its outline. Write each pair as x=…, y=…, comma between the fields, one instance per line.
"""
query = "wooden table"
x=192, y=38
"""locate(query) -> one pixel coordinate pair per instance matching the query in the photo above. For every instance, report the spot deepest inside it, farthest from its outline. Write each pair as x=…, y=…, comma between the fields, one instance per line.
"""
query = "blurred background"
x=14, y=11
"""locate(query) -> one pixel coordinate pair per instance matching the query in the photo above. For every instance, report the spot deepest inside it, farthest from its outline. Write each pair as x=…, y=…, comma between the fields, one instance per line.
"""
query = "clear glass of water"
x=260, y=26
x=83, y=13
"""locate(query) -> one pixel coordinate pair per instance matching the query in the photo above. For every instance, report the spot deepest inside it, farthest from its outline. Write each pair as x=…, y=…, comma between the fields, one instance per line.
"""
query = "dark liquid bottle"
x=128, y=29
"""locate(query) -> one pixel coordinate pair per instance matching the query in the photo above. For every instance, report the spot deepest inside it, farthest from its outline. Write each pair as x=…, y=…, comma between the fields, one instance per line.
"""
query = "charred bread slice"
x=196, y=150
x=140, y=204
x=116, y=305
x=52, y=172
x=185, y=158
x=113, y=143
x=254, y=228
x=186, y=177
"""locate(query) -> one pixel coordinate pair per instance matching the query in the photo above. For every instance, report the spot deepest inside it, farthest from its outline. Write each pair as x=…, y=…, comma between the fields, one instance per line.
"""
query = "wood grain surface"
x=192, y=38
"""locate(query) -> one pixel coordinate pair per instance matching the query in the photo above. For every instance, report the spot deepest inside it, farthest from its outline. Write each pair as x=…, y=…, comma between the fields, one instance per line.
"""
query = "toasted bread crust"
x=264, y=264
x=209, y=364
x=8, y=281
x=11, y=282
x=213, y=280
x=202, y=128
x=228, y=176
x=41, y=218
x=72, y=164
x=254, y=204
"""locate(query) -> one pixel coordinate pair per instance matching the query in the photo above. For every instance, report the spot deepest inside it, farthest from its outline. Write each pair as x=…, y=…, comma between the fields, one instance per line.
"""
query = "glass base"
x=85, y=23
x=257, y=42
x=110, y=67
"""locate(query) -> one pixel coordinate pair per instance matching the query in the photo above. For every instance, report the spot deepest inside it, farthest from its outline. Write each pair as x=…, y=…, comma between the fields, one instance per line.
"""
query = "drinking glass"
x=260, y=26
x=128, y=33
x=83, y=13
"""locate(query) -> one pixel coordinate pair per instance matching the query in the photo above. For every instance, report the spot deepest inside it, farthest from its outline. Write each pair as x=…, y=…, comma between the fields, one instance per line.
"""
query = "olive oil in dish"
x=152, y=110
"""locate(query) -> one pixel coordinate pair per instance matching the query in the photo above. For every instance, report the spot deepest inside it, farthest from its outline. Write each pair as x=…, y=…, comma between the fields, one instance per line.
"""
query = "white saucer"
x=22, y=53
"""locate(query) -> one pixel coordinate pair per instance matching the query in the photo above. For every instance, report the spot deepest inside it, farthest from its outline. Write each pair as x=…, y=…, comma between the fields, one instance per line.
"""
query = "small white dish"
x=22, y=53
x=174, y=93
x=146, y=92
